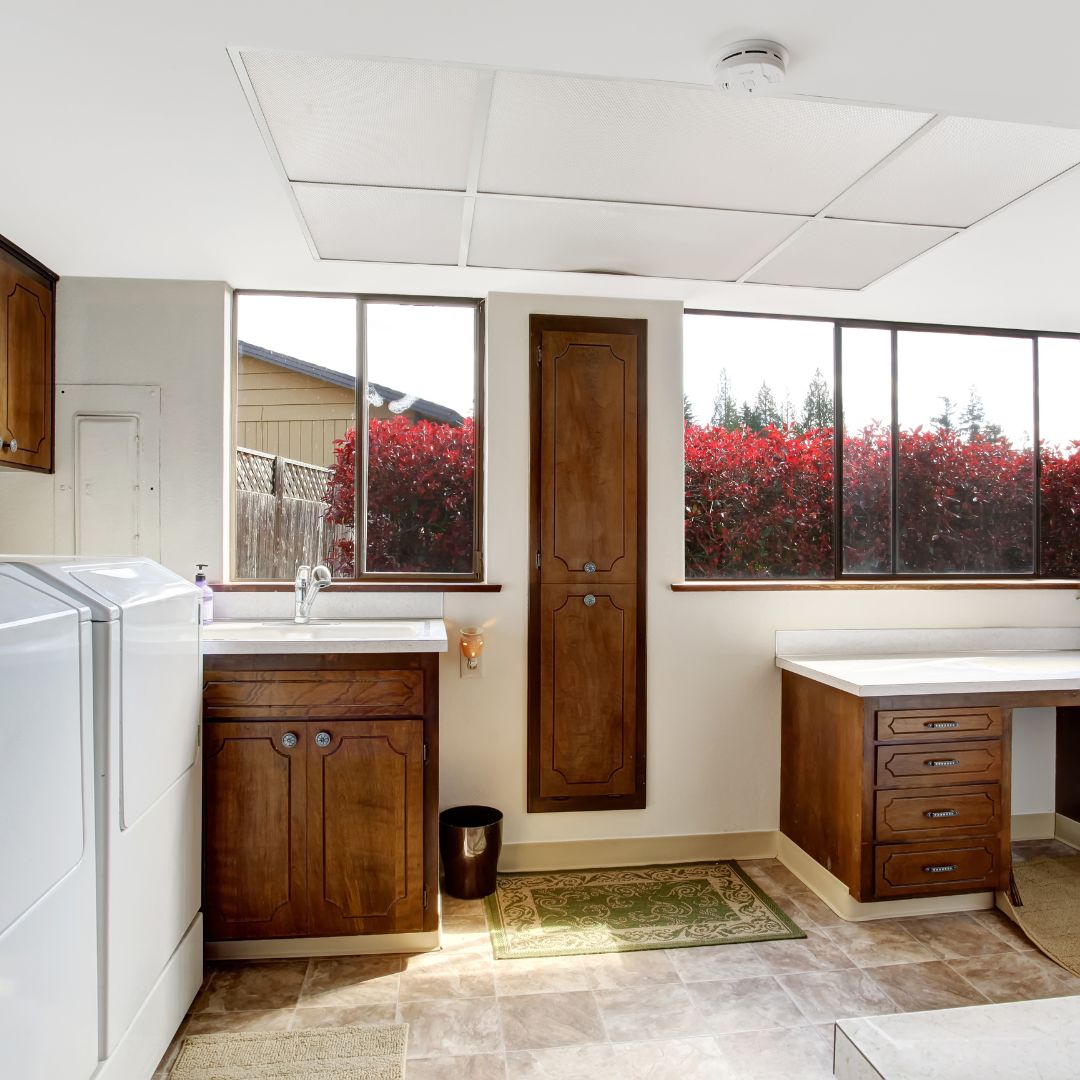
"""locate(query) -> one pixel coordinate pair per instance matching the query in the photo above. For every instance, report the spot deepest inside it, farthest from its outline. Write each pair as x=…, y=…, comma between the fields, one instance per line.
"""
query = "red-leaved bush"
x=419, y=498
x=758, y=503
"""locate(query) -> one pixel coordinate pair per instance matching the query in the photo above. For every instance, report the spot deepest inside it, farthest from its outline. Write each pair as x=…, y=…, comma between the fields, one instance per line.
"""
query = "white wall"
x=713, y=722
x=173, y=334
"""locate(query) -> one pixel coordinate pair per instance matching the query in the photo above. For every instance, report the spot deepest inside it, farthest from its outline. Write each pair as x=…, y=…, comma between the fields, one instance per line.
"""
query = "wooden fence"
x=280, y=516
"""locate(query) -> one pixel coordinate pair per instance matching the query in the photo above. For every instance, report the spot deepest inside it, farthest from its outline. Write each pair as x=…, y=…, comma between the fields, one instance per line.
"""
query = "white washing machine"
x=147, y=709
x=48, y=888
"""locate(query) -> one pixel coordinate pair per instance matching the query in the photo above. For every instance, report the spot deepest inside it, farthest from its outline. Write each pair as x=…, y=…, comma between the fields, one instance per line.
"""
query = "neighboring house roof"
x=421, y=407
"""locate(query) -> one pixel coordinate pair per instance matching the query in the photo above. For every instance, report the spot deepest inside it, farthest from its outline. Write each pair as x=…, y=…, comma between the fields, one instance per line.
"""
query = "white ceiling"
x=129, y=149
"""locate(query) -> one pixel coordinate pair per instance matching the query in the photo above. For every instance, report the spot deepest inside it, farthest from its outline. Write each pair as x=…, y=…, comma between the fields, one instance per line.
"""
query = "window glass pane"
x=867, y=479
x=966, y=462
x=758, y=402
x=421, y=363
x=295, y=407
x=1059, y=436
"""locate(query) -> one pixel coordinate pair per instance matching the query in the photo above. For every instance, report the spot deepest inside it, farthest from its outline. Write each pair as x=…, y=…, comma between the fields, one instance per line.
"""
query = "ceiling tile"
x=651, y=142
x=382, y=224
x=619, y=238
x=846, y=254
x=959, y=171
x=342, y=120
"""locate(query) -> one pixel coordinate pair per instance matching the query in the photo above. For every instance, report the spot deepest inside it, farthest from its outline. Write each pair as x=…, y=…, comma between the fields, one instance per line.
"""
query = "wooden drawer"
x=935, y=764
x=939, y=814
x=930, y=869
x=312, y=693
x=938, y=723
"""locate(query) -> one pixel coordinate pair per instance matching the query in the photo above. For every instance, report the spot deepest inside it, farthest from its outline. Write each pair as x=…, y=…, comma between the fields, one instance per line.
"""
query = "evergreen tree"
x=748, y=418
x=725, y=412
x=817, y=409
x=687, y=411
x=787, y=412
x=992, y=431
x=945, y=421
x=971, y=419
x=766, y=411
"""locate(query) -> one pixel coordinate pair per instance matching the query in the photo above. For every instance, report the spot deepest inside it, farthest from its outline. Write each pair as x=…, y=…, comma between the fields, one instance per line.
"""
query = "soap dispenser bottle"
x=207, y=594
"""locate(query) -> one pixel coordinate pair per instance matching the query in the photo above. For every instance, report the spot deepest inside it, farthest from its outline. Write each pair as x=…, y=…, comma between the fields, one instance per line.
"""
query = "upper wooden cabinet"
x=27, y=309
x=587, y=588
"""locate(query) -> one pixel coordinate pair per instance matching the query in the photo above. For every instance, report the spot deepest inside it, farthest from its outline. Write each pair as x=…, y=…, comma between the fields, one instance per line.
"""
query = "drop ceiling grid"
x=619, y=154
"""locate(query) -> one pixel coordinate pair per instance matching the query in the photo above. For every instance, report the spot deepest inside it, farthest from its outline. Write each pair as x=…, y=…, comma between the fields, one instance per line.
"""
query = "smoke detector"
x=747, y=68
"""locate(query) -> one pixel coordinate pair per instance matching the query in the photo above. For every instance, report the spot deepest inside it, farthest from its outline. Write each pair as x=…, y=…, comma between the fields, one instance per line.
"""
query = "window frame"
x=895, y=328
x=362, y=576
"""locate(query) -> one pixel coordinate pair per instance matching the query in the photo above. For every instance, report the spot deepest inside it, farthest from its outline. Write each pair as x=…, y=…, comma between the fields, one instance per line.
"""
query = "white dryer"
x=147, y=706
x=48, y=895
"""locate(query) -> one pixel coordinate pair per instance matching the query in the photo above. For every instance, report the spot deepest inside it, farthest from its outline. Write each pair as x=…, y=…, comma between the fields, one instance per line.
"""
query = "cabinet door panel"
x=588, y=719
x=26, y=366
x=588, y=456
x=365, y=827
x=256, y=875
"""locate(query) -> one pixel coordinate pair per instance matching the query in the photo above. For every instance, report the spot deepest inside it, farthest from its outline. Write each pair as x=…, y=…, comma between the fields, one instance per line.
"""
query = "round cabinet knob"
x=589, y=568
x=589, y=600
x=289, y=740
x=323, y=738
x=13, y=445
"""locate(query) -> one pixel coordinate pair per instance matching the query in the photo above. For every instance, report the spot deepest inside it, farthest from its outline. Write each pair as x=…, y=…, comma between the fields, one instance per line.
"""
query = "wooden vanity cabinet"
x=321, y=795
x=27, y=315
x=897, y=797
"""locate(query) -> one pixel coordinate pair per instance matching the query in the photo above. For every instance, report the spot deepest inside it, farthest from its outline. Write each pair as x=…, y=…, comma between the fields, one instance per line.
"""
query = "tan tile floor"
x=729, y=1012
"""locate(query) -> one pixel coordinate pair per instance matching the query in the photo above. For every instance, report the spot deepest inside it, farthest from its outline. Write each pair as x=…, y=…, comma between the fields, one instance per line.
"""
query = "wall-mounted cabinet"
x=587, y=587
x=27, y=315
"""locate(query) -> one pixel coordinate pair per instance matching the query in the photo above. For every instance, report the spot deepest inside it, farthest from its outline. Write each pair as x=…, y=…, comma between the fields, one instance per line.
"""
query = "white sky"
x=785, y=352
x=419, y=349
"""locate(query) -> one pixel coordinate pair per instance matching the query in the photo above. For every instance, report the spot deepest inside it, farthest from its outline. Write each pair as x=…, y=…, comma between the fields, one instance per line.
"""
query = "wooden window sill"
x=363, y=586
x=812, y=586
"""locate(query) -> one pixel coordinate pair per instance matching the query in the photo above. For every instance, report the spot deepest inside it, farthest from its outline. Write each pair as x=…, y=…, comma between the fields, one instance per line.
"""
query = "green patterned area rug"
x=624, y=909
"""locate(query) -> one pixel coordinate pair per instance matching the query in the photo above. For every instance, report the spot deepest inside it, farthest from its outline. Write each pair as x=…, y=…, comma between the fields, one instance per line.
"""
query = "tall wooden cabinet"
x=587, y=588
x=27, y=310
x=321, y=795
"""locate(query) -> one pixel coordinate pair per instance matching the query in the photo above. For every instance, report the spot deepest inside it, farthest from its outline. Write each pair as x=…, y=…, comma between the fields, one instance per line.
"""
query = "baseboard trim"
x=352, y=945
x=1067, y=830
x=636, y=851
x=835, y=893
x=1033, y=826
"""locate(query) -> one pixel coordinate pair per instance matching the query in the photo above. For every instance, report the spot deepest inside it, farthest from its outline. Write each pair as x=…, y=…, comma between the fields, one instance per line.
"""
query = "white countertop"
x=248, y=636
x=1020, y=1040
x=887, y=676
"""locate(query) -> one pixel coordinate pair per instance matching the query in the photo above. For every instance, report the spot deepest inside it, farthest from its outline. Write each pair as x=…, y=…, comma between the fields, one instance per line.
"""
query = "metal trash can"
x=470, y=839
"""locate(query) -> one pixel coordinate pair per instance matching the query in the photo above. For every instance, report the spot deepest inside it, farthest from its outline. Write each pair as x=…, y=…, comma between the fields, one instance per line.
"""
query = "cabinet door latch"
x=425, y=896
x=425, y=753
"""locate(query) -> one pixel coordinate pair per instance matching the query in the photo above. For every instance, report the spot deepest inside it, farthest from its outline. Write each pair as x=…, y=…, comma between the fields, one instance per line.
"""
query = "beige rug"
x=345, y=1053
x=1050, y=910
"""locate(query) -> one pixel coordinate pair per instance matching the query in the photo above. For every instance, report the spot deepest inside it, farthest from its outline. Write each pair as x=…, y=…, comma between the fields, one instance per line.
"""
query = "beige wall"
x=713, y=749
x=172, y=334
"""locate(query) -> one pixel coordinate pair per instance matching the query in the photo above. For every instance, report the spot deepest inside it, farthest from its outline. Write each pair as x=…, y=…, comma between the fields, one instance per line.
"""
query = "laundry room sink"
x=324, y=635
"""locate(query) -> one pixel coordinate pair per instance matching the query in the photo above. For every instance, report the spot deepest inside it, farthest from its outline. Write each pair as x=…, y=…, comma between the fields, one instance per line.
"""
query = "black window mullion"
x=894, y=459
x=838, y=454
x=360, y=466
x=1036, y=530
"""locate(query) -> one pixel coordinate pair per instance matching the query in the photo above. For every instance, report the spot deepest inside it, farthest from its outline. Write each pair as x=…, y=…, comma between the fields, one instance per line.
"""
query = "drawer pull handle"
x=942, y=813
x=941, y=763
x=934, y=725
x=941, y=868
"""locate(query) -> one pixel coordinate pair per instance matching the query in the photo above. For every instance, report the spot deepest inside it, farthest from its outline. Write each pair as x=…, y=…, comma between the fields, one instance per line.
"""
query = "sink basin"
x=329, y=635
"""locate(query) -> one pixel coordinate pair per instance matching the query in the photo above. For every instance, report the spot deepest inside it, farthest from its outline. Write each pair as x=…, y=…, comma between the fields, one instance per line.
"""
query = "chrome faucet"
x=309, y=583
